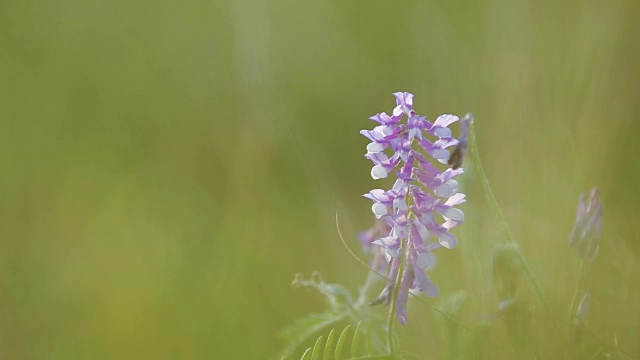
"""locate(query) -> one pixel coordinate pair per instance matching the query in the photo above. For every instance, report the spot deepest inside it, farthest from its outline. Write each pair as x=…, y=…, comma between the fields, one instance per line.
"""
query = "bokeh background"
x=167, y=167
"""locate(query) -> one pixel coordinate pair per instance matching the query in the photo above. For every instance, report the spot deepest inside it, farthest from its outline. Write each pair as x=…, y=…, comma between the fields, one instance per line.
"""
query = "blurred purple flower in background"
x=460, y=152
x=419, y=198
x=585, y=236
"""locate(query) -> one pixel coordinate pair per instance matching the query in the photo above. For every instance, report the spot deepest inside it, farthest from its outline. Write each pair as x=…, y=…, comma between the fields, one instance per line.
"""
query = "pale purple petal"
x=456, y=199
x=384, y=119
x=379, y=195
x=446, y=239
x=403, y=294
x=425, y=284
x=389, y=241
x=445, y=120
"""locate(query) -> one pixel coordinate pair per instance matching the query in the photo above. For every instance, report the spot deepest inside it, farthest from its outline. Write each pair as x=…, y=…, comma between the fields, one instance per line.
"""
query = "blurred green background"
x=169, y=166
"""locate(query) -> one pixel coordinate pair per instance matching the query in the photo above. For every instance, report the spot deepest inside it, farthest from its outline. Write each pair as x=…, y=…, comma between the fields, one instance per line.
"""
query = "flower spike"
x=420, y=210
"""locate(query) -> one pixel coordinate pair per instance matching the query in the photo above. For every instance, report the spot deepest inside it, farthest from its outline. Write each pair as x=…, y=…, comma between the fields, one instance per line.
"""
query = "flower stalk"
x=392, y=308
x=503, y=222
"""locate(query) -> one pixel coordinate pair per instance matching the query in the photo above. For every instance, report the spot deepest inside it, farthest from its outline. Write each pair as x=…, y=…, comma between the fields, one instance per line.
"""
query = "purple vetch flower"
x=585, y=236
x=404, y=102
x=370, y=235
x=367, y=237
x=420, y=209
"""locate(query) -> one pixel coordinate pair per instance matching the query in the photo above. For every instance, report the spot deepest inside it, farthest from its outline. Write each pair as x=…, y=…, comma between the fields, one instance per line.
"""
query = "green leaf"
x=306, y=355
x=303, y=329
x=336, y=353
x=337, y=295
x=369, y=339
x=356, y=340
x=328, y=347
x=341, y=340
x=311, y=323
x=316, y=348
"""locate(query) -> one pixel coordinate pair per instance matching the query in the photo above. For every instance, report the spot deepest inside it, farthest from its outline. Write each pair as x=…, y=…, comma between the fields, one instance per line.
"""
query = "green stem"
x=487, y=188
x=394, y=300
x=572, y=311
x=503, y=222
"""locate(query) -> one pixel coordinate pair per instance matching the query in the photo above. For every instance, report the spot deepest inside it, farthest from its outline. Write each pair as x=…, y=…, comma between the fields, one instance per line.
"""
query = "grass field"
x=169, y=166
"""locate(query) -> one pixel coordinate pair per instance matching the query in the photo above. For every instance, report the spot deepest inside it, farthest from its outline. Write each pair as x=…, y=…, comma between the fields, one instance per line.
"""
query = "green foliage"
x=316, y=349
x=338, y=297
x=345, y=340
x=356, y=339
x=307, y=354
x=341, y=307
x=341, y=340
x=303, y=329
x=329, y=345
